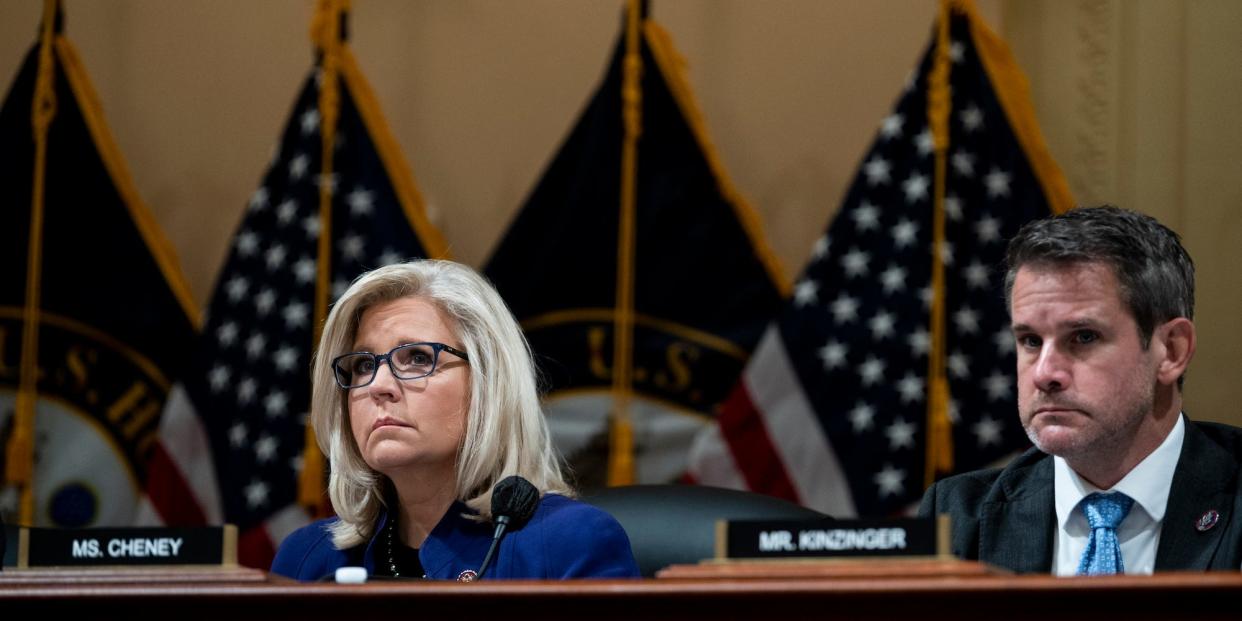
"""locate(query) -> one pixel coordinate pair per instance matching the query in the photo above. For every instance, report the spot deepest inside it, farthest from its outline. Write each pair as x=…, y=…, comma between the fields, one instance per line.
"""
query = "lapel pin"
x=1207, y=520
x=469, y=575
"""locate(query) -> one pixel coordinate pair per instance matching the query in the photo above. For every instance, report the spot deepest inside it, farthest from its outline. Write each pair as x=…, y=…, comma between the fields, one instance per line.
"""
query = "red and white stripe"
x=768, y=439
x=257, y=546
x=181, y=476
x=182, y=488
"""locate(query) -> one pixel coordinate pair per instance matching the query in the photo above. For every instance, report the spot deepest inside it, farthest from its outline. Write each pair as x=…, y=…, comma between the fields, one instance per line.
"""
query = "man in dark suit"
x=1102, y=301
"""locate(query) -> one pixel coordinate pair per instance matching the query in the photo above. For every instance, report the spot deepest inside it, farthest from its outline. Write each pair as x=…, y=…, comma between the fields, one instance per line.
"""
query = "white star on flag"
x=833, y=355
x=997, y=182
x=236, y=288
x=285, y=359
x=265, y=448
x=219, y=378
x=258, y=200
x=893, y=279
x=805, y=292
x=963, y=163
x=844, y=309
x=890, y=481
x=862, y=417
x=972, y=118
x=911, y=388
x=916, y=188
x=905, y=233
x=987, y=230
x=361, y=202
x=310, y=121
x=275, y=404
x=226, y=334
x=891, y=128
x=882, y=325
x=925, y=143
x=866, y=217
x=871, y=371
x=237, y=435
x=247, y=243
x=900, y=435
x=298, y=167
x=855, y=263
x=987, y=431
x=256, y=493
x=998, y=386
x=958, y=365
x=286, y=211
x=876, y=169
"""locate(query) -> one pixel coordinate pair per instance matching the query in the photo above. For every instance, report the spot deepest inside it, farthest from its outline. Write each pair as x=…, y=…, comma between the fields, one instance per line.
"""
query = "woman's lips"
x=387, y=422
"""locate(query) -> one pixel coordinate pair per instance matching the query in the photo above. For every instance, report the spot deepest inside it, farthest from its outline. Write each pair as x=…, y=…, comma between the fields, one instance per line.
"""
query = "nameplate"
x=93, y=547
x=827, y=538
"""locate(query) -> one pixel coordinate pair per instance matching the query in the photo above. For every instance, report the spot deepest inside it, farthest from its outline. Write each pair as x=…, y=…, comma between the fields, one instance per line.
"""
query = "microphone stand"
x=502, y=522
x=514, y=500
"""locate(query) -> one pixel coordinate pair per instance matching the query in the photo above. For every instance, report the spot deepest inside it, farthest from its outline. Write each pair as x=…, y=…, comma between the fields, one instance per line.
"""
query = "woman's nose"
x=385, y=386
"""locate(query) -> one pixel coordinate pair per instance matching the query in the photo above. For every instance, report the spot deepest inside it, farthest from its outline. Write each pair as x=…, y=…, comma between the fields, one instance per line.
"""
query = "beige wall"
x=1137, y=100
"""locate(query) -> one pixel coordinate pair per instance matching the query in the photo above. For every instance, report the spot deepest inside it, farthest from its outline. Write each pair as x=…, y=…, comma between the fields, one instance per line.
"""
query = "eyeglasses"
x=407, y=362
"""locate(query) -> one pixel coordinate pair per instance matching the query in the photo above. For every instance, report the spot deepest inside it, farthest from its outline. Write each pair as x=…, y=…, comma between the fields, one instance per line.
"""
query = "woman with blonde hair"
x=424, y=398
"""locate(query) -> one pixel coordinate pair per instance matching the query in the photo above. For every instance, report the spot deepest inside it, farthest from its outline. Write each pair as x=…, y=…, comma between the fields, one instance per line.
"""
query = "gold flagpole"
x=19, y=469
x=939, y=427
x=327, y=36
x=621, y=449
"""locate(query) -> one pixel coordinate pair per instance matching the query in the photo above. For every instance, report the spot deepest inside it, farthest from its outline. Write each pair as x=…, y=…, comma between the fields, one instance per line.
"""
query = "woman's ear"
x=1177, y=340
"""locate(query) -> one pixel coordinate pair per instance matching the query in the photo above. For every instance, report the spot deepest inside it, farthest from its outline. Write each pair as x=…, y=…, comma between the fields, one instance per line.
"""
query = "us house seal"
x=96, y=419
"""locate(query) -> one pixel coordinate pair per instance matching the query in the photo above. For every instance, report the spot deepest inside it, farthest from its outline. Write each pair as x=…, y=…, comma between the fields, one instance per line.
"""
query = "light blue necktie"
x=1104, y=513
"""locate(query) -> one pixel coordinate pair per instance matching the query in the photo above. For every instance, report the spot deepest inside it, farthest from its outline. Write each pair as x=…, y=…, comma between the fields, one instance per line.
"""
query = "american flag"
x=232, y=436
x=832, y=408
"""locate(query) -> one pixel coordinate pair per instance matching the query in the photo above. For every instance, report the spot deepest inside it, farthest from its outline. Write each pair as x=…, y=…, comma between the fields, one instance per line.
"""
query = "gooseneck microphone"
x=514, y=500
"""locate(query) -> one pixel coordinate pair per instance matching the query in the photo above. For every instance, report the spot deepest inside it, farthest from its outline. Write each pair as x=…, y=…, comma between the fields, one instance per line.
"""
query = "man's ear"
x=1176, y=339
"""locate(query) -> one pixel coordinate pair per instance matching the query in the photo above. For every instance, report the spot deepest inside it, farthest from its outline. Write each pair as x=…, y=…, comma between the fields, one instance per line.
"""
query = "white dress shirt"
x=1139, y=534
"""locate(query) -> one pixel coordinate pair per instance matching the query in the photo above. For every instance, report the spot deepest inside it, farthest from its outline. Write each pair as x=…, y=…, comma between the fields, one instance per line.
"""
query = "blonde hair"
x=505, y=432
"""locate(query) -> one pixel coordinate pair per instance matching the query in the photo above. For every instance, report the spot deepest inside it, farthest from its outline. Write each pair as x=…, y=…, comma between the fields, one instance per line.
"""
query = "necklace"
x=392, y=557
x=391, y=536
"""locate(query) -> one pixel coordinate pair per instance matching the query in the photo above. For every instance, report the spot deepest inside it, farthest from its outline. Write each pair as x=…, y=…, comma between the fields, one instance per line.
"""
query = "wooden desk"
x=752, y=591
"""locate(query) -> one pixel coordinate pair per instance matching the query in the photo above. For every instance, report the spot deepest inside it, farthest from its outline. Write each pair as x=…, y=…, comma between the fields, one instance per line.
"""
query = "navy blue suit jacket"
x=564, y=539
x=1007, y=517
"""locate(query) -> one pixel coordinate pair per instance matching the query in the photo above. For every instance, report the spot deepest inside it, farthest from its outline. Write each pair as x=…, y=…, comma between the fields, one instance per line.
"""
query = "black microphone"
x=514, y=500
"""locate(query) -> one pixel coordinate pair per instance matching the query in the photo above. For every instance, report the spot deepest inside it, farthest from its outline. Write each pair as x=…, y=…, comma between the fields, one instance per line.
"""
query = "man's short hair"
x=1155, y=273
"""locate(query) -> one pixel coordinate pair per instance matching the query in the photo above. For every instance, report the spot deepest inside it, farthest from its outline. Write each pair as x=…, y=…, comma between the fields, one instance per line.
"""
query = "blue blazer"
x=564, y=539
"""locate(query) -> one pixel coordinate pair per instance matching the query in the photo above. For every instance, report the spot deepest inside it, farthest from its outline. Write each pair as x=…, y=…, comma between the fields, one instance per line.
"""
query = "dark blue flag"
x=702, y=280
x=109, y=315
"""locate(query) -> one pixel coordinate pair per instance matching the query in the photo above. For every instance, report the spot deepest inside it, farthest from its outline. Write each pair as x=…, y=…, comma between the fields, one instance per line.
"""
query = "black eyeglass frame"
x=378, y=358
